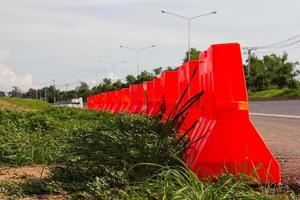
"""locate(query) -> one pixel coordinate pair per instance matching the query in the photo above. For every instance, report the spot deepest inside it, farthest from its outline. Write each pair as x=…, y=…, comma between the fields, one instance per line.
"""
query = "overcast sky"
x=43, y=40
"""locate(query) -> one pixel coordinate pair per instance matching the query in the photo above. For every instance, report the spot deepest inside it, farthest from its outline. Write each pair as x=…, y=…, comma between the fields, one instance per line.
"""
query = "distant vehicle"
x=74, y=103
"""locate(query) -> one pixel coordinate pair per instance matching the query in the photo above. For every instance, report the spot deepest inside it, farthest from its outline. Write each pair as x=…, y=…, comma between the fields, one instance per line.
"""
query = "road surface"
x=278, y=122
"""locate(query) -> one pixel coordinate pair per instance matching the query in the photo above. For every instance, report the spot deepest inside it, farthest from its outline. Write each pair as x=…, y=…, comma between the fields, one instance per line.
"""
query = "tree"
x=2, y=94
x=194, y=55
x=51, y=91
x=31, y=94
x=83, y=90
x=157, y=71
x=144, y=76
x=118, y=85
x=257, y=79
x=283, y=72
x=170, y=68
x=130, y=79
x=16, y=92
x=272, y=71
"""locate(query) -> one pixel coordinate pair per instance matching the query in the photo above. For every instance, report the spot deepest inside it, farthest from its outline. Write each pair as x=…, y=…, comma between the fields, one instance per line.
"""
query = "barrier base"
x=231, y=144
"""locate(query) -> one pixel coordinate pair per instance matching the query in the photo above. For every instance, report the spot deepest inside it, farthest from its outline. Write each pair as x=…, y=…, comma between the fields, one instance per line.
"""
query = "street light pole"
x=54, y=97
x=67, y=85
x=137, y=62
x=138, y=55
x=113, y=64
x=45, y=93
x=189, y=39
x=189, y=20
x=96, y=73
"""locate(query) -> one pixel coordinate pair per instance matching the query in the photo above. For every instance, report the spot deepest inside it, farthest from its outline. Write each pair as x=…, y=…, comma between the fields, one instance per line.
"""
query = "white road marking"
x=275, y=115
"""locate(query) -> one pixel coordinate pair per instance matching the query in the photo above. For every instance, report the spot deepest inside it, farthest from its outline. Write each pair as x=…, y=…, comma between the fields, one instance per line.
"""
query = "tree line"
x=52, y=94
x=270, y=72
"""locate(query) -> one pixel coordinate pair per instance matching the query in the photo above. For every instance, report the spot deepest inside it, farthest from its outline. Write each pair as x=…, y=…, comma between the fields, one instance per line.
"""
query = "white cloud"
x=9, y=78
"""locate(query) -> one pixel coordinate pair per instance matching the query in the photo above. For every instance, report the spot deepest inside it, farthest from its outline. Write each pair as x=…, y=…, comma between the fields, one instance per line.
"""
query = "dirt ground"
x=5, y=105
x=8, y=106
x=21, y=174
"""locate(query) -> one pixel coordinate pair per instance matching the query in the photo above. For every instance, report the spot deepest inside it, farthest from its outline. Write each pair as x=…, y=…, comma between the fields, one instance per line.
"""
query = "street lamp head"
x=162, y=11
x=215, y=12
x=153, y=45
x=121, y=46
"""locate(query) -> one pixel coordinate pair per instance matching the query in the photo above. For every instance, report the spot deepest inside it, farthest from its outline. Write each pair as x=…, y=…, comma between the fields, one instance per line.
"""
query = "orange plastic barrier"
x=125, y=101
x=190, y=86
x=108, y=101
x=90, y=102
x=148, y=89
x=97, y=101
x=170, y=93
x=140, y=98
x=224, y=139
x=157, y=98
x=210, y=96
x=132, y=107
x=116, y=101
x=104, y=101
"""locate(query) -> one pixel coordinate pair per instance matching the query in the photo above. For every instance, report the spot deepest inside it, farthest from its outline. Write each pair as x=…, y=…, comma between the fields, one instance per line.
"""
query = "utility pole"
x=40, y=91
x=45, y=93
x=66, y=92
x=67, y=85
x=249, y=61
x=77, y=94
x=54, y=97
x=249, y=51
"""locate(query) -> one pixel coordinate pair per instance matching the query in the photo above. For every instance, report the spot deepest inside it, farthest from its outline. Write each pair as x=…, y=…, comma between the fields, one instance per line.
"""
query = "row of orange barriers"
x=210, y=95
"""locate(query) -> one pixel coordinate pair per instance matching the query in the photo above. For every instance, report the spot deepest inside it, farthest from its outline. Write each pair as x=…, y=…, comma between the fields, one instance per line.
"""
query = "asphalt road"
x=278, y=123
x=276, y=107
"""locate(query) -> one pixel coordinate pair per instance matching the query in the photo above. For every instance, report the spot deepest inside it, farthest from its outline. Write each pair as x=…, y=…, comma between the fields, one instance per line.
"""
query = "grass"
x=169, y=182
x=275, y=94
x=25, y=104
x=99, y=155
x=178, y=182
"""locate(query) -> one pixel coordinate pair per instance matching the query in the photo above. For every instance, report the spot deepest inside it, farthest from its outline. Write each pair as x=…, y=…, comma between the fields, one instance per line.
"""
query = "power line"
x=286, y=45
x=277, y=43
x=279, y=51
x=282, y=45
x=276, y=46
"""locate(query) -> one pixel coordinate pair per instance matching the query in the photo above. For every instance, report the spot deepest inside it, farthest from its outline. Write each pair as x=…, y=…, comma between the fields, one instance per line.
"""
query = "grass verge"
x=99, y=155
x=276, y=94
x=24, y=104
